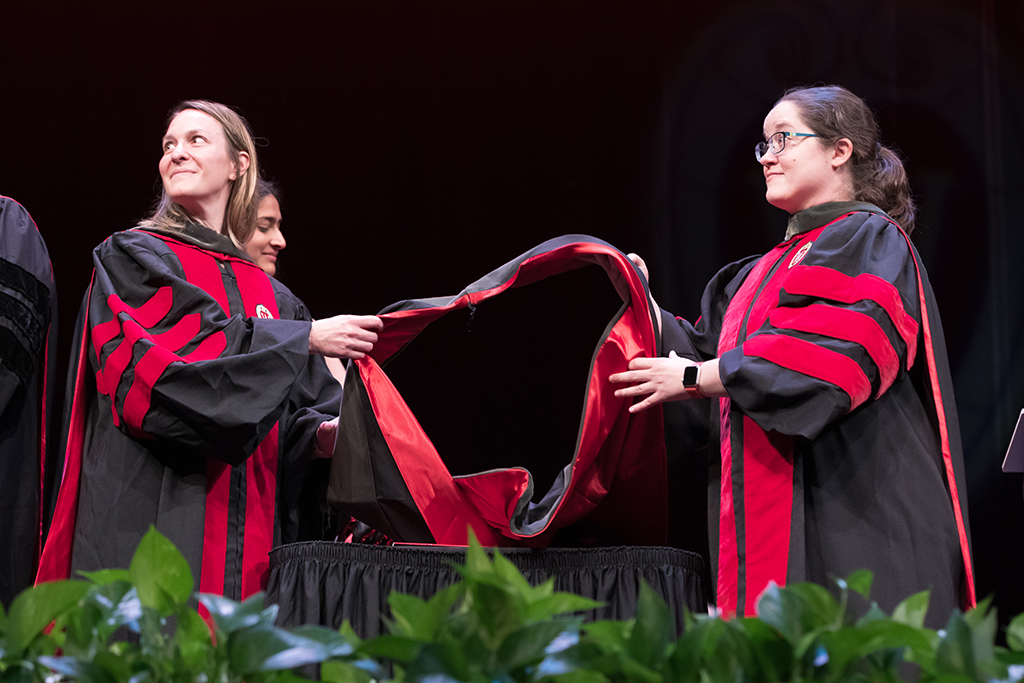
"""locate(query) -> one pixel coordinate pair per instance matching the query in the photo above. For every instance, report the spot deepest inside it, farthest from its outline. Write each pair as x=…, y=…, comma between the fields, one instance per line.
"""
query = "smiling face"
x=198, y=166
x=267, y=240
x=806, y=172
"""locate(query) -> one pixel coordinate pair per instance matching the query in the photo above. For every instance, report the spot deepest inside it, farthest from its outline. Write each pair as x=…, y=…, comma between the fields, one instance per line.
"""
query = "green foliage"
x=137, y=626
x=492, y=626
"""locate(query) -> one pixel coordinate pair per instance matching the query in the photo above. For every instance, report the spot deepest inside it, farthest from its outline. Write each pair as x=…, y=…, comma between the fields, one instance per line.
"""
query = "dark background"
x=422, y=144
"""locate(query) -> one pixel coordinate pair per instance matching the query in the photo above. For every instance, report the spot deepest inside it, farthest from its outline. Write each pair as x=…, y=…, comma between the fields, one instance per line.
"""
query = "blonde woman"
x=201, y=393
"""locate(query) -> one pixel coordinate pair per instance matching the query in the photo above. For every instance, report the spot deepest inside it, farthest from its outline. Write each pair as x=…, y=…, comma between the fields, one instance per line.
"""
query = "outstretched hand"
x=344, y=336
x=639, y=263
x=642, y=266
x=658, y=379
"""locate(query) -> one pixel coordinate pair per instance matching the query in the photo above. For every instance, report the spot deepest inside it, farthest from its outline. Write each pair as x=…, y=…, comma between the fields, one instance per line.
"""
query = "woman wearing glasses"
x=832, y=401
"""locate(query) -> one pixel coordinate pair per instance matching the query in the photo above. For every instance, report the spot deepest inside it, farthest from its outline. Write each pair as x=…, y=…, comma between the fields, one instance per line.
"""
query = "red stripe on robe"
x=767, y=508
x=947, y=455
x=842, y=323
x=812, y=360
x=826, y=283
x=729, y=550
x=261, y=471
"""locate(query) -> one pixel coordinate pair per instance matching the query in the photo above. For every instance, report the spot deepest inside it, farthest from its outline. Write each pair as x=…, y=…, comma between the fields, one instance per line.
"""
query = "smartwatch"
x=691, y=377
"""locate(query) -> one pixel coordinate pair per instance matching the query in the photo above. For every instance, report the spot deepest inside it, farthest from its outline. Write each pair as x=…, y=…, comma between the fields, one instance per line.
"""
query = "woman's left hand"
x=660, y=379
x=326, y=436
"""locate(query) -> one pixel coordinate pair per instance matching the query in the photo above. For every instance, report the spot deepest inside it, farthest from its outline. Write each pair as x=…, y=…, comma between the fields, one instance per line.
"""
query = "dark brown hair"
x=267, y=187
x=833, y=112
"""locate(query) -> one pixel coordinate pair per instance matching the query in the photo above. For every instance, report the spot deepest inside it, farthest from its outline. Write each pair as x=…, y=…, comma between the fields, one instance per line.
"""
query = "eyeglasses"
x=776, y=143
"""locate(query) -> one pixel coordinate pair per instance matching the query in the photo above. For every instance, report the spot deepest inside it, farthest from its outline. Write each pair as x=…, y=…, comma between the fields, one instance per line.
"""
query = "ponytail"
x=887, y=187
x=833, y=112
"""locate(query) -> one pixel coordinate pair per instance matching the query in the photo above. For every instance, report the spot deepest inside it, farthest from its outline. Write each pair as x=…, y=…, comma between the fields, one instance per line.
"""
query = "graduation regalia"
x=28, y=318
x=492, y=410
x=194, y=404
x=838, y=441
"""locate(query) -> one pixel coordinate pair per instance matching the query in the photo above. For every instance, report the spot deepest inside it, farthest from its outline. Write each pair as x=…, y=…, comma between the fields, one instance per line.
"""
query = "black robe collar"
x=200, y=236
x=823, y=214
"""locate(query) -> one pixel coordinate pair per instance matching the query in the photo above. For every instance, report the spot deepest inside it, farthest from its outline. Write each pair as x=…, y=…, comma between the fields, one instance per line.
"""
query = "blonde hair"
x=240, y=214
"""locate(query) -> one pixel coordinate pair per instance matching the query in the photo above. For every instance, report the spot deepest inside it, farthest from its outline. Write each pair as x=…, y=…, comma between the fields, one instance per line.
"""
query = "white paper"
x=1014, y=460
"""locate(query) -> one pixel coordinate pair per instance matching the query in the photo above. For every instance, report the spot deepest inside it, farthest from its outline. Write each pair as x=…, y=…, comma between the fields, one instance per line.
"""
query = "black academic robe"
x=28, y=318
x=838, y=444
x=194, y=408
x=491, y=410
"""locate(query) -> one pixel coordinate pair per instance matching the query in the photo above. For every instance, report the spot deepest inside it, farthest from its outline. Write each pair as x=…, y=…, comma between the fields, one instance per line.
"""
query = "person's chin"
x=780, y=203
x=182, y=197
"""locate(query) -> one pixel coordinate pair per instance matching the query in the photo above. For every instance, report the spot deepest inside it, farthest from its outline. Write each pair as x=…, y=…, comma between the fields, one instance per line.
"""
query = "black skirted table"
x=326, y=583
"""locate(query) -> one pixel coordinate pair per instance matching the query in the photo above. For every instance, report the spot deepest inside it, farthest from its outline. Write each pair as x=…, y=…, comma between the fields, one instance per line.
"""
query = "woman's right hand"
x=344, y=336
x=639, y=263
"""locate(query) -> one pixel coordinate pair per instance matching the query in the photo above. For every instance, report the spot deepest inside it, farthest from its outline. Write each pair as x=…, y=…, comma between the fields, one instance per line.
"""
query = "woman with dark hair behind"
x=267, y=241
x=199, y=393
x=831, y=397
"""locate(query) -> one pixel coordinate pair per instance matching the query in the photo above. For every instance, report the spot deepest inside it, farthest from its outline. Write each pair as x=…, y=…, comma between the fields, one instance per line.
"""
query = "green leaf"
x=447, y=660
x=1015, y=633
x=81, y=671
x=955, y=652
x=116, y=667
x=126, y=612
x=543, y=590
x=421, y=619
x=620, y=666
x=194, y=639
x=977, y=614
x=653, y=629
x=756, y=646
x=333, y=641
x=18, y=674
x=820, y=608
x=1007, y=659
x=231, y=616
x=983, y=636
x=477, y=561
x=106, y=576
x=264, y=648
x=556, y=604
x=849, y=646
x=611, y=635
x=696, y=646
x=394, y=648
x=335, y=671
x=782, y=610
x=578, y=676
x=510, y=575
x=273, y=677
x=160, y=573
x=191, y=626
x=530, y=643
x=874, y=613
x=912, y=610
x=34, y=608
x=496, y=610
x=68, y=666
x=860, y=582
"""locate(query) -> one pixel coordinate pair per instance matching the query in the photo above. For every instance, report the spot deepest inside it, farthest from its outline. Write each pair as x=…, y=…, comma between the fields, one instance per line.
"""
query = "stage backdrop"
x=422, y=144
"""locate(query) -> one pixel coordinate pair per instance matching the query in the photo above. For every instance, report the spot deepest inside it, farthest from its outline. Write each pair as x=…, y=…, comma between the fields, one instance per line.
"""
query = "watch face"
x=690, y=376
